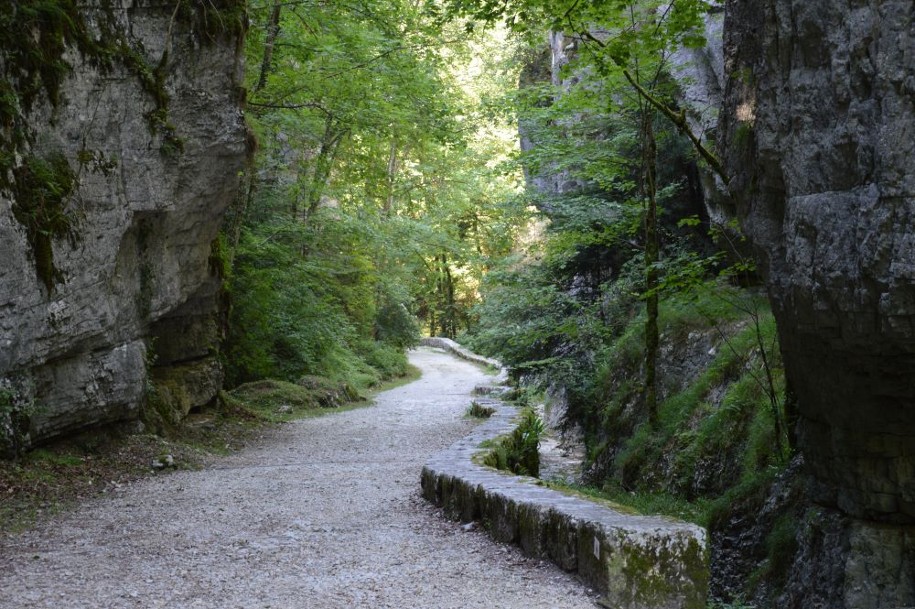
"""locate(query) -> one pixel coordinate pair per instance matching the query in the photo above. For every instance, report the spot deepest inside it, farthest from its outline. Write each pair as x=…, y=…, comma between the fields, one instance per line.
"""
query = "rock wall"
x=819, y=133
x=700, y=75
x=123, y=308
x=821, y=120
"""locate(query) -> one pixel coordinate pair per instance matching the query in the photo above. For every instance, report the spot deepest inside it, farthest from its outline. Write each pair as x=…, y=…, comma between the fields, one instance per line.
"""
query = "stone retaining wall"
x=452, y=347
x=638, y=562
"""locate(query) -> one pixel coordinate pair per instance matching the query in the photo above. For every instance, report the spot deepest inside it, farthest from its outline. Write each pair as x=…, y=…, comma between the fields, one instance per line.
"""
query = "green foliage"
x=42, y=189
x=276, y=401
x=371, y=210
x=518, y=452
x=720, y=419
x=478, y=411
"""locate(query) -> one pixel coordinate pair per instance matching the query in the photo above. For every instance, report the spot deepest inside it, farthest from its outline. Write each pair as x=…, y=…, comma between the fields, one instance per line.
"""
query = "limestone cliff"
x=119, y=156
x=818, y=125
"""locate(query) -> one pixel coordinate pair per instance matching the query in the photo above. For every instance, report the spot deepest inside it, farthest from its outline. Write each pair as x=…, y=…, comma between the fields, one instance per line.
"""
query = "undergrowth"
x=719, y=443
x=518, y=452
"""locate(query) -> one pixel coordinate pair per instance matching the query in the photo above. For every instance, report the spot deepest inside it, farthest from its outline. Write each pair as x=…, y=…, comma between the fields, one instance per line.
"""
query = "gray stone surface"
x=817, y=132
x=819, y=127
x=637, y=562
x=80, y=355
x=323, y=513
x=446, y=344
x=700, y=76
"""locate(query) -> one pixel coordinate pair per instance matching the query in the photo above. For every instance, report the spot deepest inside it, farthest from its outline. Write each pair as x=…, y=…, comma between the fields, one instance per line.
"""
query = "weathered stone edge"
x=452, y=347
x=638, y=562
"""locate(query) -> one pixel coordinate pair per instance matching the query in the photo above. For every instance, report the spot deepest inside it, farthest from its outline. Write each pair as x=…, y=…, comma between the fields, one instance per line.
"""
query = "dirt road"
x=324, y=514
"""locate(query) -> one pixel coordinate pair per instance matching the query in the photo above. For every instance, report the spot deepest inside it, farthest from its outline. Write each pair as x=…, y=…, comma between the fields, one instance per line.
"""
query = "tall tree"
x=632, y=40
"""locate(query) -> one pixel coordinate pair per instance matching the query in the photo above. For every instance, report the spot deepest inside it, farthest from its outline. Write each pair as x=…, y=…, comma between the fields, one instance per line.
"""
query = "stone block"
x=638, y=562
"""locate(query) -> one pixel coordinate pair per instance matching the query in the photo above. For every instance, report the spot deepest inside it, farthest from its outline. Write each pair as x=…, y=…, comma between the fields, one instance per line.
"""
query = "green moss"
x=15, y=419
x=158, y=413
x=41, y=191
x=278, y=401
x=653, y=574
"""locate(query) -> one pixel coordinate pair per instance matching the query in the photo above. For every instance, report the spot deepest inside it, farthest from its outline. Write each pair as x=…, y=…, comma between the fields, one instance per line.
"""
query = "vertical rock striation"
x=154, y=139
x=819, y=126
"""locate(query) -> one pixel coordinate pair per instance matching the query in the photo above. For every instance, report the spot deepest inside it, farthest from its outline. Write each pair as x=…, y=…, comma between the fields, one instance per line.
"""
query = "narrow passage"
x=325, y=514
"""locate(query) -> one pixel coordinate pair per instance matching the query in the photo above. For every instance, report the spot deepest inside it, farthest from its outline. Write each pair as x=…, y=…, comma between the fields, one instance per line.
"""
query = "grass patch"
x=411, y=373
x=518, y=452
x=652, y=504
x=478, y=411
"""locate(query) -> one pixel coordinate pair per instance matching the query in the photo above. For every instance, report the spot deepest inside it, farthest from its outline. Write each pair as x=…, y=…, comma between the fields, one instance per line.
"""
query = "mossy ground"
x=59, y=476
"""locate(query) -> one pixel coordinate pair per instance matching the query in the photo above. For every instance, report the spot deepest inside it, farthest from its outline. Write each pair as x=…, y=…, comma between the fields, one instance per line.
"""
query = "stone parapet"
x=637, y=562
x=455, y=348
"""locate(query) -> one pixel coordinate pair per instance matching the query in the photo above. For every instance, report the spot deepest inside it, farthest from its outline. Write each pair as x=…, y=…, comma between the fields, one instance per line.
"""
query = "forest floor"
x=321, y=512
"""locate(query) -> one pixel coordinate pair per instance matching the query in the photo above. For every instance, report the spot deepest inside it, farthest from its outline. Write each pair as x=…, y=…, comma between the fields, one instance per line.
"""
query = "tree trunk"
x=652, y=254
x=392, y=174
x=322, y=165
x=273, y=31
x=451, y=330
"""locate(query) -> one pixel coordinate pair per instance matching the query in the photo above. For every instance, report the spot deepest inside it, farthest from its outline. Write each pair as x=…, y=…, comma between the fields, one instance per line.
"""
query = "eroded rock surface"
x=819, y=122
x=134, y=291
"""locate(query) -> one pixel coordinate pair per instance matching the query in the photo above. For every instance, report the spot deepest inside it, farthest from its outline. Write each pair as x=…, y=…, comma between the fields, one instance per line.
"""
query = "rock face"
x=699, y=72
x=822, y=103
x=154, y=142
x=819, y=122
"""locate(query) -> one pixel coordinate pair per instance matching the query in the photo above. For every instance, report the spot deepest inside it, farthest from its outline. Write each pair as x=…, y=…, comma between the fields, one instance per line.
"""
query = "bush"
x=479, y=411
x=519, y=452
x=308, y=300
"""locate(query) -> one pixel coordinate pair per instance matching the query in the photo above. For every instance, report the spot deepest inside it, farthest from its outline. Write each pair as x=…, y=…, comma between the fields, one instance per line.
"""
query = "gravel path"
x=325, y=513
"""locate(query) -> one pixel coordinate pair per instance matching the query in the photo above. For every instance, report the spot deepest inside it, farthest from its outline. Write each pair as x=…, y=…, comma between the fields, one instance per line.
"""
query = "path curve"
x=324, y=514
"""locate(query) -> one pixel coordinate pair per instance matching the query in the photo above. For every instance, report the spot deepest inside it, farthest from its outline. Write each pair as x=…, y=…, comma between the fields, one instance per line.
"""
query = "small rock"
x=163, y=462
x=470, y=526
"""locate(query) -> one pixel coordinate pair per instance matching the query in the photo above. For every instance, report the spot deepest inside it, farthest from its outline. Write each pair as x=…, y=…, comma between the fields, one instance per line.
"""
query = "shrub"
x=519, y=452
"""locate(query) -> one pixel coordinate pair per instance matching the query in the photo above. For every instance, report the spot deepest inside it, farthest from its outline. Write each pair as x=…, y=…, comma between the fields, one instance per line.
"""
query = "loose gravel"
x=325, y=513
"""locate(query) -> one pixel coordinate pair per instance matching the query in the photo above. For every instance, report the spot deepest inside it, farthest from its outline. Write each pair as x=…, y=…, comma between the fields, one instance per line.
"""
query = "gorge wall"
x=121, y=151
x=819, y=121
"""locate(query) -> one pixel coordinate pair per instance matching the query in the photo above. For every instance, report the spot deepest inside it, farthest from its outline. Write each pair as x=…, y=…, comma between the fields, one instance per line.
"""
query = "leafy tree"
x=629, y=40
x=372, y=198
